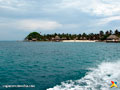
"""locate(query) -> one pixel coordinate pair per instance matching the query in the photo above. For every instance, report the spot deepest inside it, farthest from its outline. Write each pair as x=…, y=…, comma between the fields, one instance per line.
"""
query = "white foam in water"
x=98, y=79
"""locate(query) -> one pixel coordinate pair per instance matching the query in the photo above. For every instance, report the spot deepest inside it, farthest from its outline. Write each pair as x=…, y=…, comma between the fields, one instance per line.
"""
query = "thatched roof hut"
x=57, y=38
x=81, y=38
x=113, y=37
x=84, y=38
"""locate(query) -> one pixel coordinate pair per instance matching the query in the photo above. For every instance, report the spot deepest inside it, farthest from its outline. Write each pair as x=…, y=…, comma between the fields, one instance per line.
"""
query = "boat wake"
x=98, y=79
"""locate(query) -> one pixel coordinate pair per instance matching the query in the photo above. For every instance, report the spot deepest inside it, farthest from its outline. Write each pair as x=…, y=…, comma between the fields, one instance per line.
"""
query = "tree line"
x=48, y=37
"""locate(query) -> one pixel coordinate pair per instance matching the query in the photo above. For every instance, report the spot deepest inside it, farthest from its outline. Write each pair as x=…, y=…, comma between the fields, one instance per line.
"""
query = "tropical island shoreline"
x=67, y=41
x=108, y=36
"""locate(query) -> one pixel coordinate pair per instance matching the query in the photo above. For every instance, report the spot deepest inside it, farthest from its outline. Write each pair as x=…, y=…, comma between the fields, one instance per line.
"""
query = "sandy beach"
x=79, y=40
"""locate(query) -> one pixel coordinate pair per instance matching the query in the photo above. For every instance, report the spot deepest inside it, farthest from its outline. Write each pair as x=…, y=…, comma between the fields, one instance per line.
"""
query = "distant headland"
x=108, y=36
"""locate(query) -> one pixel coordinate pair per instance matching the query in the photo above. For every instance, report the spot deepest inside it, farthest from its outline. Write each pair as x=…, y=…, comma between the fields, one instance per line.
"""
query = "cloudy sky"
x=20, y=17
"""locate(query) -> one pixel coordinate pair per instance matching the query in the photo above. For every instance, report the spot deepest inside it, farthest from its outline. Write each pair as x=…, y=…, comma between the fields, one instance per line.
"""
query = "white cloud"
x=13, y=4
x=95, y=7
x=109, y=10
x=38, y=24
x=35, y=25
x=30, y=24
x=108, y=19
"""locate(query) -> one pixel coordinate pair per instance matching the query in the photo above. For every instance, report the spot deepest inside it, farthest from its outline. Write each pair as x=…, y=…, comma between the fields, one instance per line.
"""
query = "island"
x=108, y=36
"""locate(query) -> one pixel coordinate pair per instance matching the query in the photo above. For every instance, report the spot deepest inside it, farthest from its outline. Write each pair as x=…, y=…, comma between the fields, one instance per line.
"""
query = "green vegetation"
x=35, y=36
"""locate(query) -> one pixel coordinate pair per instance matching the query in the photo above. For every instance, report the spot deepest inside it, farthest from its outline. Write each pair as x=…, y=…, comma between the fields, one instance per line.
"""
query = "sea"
x=59, y=66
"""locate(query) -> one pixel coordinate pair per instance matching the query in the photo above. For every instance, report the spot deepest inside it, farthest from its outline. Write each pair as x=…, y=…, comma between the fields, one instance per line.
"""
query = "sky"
x=20, y=17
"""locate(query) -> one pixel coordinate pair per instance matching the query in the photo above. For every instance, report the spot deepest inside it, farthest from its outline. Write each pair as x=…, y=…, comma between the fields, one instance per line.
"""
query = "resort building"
x=113, y=38
x=57, y=39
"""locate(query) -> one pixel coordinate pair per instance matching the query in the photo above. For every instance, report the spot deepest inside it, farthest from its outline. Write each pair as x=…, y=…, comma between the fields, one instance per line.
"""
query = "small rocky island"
x=108, y=36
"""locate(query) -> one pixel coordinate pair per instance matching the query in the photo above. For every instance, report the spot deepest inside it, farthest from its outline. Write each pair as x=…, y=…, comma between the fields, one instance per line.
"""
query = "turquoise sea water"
x=59, y=66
